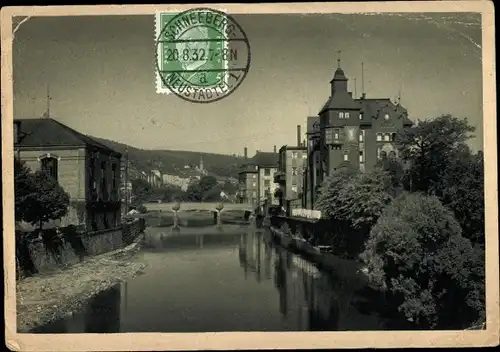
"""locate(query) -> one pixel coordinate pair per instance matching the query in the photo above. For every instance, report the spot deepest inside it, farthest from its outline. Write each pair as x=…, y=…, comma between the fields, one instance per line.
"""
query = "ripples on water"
x=220, y=279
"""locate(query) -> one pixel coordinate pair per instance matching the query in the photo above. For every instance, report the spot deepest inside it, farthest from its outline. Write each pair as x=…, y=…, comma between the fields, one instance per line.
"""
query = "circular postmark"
x=202, y=55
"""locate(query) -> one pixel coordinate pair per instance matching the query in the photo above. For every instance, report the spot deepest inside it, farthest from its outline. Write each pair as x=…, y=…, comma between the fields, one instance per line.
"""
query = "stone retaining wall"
x=39, y=255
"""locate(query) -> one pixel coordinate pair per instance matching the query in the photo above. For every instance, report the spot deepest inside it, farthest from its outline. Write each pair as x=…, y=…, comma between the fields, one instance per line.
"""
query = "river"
x=208, y=279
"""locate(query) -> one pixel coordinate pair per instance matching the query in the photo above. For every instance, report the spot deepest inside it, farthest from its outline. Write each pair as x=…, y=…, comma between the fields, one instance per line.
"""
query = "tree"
x=329, y=191
x=356, y=197
x=395, y=170
x=230, y=188
x=23, y=186
x=207, y=182
x=212, y=195
x=194, y=193
x=363, y=197
x=45, y=201
x=141, y=189
x=427, y=146
x=433, y=274
x=461, y=189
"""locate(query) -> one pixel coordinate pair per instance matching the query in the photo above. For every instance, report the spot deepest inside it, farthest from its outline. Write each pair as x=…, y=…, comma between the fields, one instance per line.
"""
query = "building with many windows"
x=357, y=131
x=86, y=169
x=256, y=177
x=291, y=168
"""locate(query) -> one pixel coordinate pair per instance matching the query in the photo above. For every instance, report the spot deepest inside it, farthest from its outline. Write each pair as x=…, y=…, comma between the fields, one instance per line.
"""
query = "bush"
x=434, y=276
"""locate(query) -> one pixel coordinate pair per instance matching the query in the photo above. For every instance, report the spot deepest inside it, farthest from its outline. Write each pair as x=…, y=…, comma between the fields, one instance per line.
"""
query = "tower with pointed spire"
x=356, y=132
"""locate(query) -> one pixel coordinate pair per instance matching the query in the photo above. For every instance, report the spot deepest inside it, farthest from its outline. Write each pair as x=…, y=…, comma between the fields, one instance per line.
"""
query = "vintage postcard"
x=250, y=176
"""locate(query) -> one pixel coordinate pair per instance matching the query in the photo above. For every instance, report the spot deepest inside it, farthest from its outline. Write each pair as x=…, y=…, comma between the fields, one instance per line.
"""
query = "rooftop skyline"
x=102, y=69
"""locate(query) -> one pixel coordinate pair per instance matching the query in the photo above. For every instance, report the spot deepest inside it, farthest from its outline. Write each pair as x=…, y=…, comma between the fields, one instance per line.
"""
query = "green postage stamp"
x=202, y=55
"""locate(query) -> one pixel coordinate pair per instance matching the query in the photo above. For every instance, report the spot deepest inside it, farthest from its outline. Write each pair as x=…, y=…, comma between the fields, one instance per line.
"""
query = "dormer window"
x=346, y=115
x=387, y=137
x=386, y=117
x=346, y=156
x=341, y=115
x=379, y=137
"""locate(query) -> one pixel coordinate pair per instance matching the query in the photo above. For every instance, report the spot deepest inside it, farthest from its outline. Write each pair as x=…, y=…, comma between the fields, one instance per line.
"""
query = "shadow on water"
x=101, y=314
x=241, y=280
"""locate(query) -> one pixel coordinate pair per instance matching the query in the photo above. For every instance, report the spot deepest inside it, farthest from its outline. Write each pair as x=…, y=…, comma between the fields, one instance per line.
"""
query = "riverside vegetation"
x=421, y=221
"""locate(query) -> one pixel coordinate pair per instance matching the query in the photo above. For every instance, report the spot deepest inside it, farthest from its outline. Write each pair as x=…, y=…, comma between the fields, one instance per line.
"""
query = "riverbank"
x=44, y=298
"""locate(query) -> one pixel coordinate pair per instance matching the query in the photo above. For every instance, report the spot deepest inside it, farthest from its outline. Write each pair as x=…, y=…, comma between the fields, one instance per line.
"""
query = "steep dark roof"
x=43, y=132
x=372, y=107
x=265, y=159
x=340, y=100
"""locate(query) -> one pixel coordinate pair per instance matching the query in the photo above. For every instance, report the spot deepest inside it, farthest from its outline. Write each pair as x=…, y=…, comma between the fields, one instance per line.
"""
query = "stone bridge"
x=190, y=206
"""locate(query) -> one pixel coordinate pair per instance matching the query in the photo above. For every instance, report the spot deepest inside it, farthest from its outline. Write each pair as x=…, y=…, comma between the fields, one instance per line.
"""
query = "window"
x=267, y=183
x=254, y=194
x=50, y=166
x=379, y=137
x=267, y=172
x=254, y=176
x=346, y=115
x=294, y=171
x=386, y=117
x=254, y=184
x=393, y=136
x=336, y=133
x=294, y=188
x=346, y=156
x=294, y=155
x=392, y=154
x=361, y=157
x=341, y=115
x=387, y=137
x=361, y=116
x=361, y=136
x=383, y=155
x=304, y=155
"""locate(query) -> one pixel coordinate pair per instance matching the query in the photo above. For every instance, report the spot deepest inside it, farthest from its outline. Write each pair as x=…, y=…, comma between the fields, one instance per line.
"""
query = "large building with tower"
x=350, y=130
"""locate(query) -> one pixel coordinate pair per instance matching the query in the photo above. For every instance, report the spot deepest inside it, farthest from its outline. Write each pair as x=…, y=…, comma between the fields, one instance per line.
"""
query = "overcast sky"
x=102, y=81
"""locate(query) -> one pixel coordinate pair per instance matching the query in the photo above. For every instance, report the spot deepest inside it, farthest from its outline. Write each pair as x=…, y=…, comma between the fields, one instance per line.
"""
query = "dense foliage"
x=38, y=197
x=417, y=251
x=424, y=219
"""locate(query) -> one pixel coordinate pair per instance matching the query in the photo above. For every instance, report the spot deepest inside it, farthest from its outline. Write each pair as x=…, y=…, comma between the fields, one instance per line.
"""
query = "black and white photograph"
x=258, y=172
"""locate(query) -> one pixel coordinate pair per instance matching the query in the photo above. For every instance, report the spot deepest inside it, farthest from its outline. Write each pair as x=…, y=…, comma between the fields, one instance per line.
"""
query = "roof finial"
x=338, y=58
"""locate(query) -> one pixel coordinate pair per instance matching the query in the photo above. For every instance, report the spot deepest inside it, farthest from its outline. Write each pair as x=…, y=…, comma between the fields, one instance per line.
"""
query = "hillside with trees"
x=171, y=161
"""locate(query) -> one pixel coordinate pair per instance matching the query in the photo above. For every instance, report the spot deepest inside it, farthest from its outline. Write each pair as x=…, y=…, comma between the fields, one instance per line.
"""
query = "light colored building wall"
x=71, y=167
x=266, y=181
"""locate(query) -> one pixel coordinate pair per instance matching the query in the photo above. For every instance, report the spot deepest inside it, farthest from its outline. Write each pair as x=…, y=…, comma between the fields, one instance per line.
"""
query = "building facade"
x=292, y=163
x=349, y=131
x=357, y=131
x=256, y=177
x=86, y=169
x=313, y=166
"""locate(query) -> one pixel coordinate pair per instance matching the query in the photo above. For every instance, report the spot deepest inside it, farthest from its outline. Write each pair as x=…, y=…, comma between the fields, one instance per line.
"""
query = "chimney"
x=298, y=136
x=275, y=149
x=245, y=153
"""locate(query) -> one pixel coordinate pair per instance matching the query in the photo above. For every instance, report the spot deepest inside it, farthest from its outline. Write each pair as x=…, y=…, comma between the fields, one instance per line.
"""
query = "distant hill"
x=173, y=161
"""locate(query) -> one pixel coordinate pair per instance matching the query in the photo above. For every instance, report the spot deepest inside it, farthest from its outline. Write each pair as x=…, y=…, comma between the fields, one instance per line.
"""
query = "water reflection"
x=210, y=281
x=304, y=292
x=101, y=314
